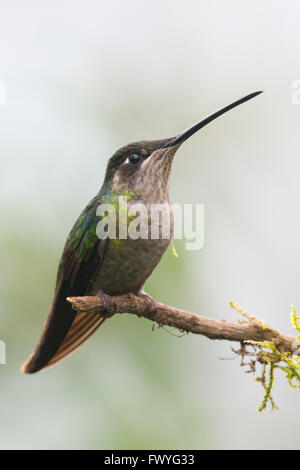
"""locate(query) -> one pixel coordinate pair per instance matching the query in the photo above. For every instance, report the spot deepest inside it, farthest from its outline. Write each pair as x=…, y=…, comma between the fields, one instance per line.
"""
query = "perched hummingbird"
x=93, y=266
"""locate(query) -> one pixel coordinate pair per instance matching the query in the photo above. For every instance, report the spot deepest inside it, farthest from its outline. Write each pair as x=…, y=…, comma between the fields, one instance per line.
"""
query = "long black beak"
x=191, y=130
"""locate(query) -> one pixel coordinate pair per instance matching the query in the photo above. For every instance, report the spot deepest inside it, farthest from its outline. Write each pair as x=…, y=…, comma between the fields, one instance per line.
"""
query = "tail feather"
x=83, y=326
x=64, y=331
x=77, y=335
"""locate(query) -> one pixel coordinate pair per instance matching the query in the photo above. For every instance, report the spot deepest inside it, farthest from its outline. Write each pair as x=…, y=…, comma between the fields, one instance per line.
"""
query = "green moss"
x=272, y=358
x=294, y=320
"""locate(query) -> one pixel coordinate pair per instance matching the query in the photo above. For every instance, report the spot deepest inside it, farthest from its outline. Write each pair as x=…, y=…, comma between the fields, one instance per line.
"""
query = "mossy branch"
x=269, y=347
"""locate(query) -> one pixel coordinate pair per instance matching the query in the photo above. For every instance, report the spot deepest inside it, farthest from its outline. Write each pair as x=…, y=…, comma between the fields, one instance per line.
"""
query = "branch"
x=252, y=331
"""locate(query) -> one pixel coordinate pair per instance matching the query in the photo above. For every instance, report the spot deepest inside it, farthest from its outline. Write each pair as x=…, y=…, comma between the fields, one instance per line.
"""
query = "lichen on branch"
x=270, y=348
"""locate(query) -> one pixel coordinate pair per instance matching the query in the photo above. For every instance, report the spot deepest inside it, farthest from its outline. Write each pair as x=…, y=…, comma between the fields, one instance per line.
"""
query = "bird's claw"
x=151, y=304
x=104, y=298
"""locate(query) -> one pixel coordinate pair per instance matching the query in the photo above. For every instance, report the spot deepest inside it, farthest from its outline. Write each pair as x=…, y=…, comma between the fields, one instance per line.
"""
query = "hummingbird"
x=89, y=265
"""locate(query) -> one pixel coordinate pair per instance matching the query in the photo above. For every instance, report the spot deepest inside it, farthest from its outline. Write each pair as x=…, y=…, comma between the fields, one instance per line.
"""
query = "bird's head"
x=145, y=166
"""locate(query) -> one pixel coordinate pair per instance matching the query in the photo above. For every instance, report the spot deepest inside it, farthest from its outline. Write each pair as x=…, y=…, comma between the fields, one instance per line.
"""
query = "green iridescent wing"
x=65, y=330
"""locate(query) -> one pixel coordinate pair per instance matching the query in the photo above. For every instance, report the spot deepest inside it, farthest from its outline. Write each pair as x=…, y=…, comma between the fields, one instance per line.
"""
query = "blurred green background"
x=84, y=78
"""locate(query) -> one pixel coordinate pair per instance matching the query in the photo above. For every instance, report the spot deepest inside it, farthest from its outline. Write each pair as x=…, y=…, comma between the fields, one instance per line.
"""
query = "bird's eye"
x=134, y=158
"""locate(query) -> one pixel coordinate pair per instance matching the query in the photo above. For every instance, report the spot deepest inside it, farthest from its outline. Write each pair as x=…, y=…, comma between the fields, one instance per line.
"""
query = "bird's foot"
x=104, y=298
x=151, y=307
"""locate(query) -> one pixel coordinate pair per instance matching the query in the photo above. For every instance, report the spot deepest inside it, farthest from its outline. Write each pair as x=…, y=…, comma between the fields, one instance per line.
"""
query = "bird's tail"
x=64, y=331
x=83, y=326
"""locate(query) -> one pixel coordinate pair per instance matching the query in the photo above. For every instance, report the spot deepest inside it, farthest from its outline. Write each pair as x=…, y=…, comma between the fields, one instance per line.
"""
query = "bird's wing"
x=65, y=330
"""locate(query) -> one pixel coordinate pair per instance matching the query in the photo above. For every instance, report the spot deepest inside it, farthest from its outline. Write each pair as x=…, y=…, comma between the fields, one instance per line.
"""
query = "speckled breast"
x=128, y=263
